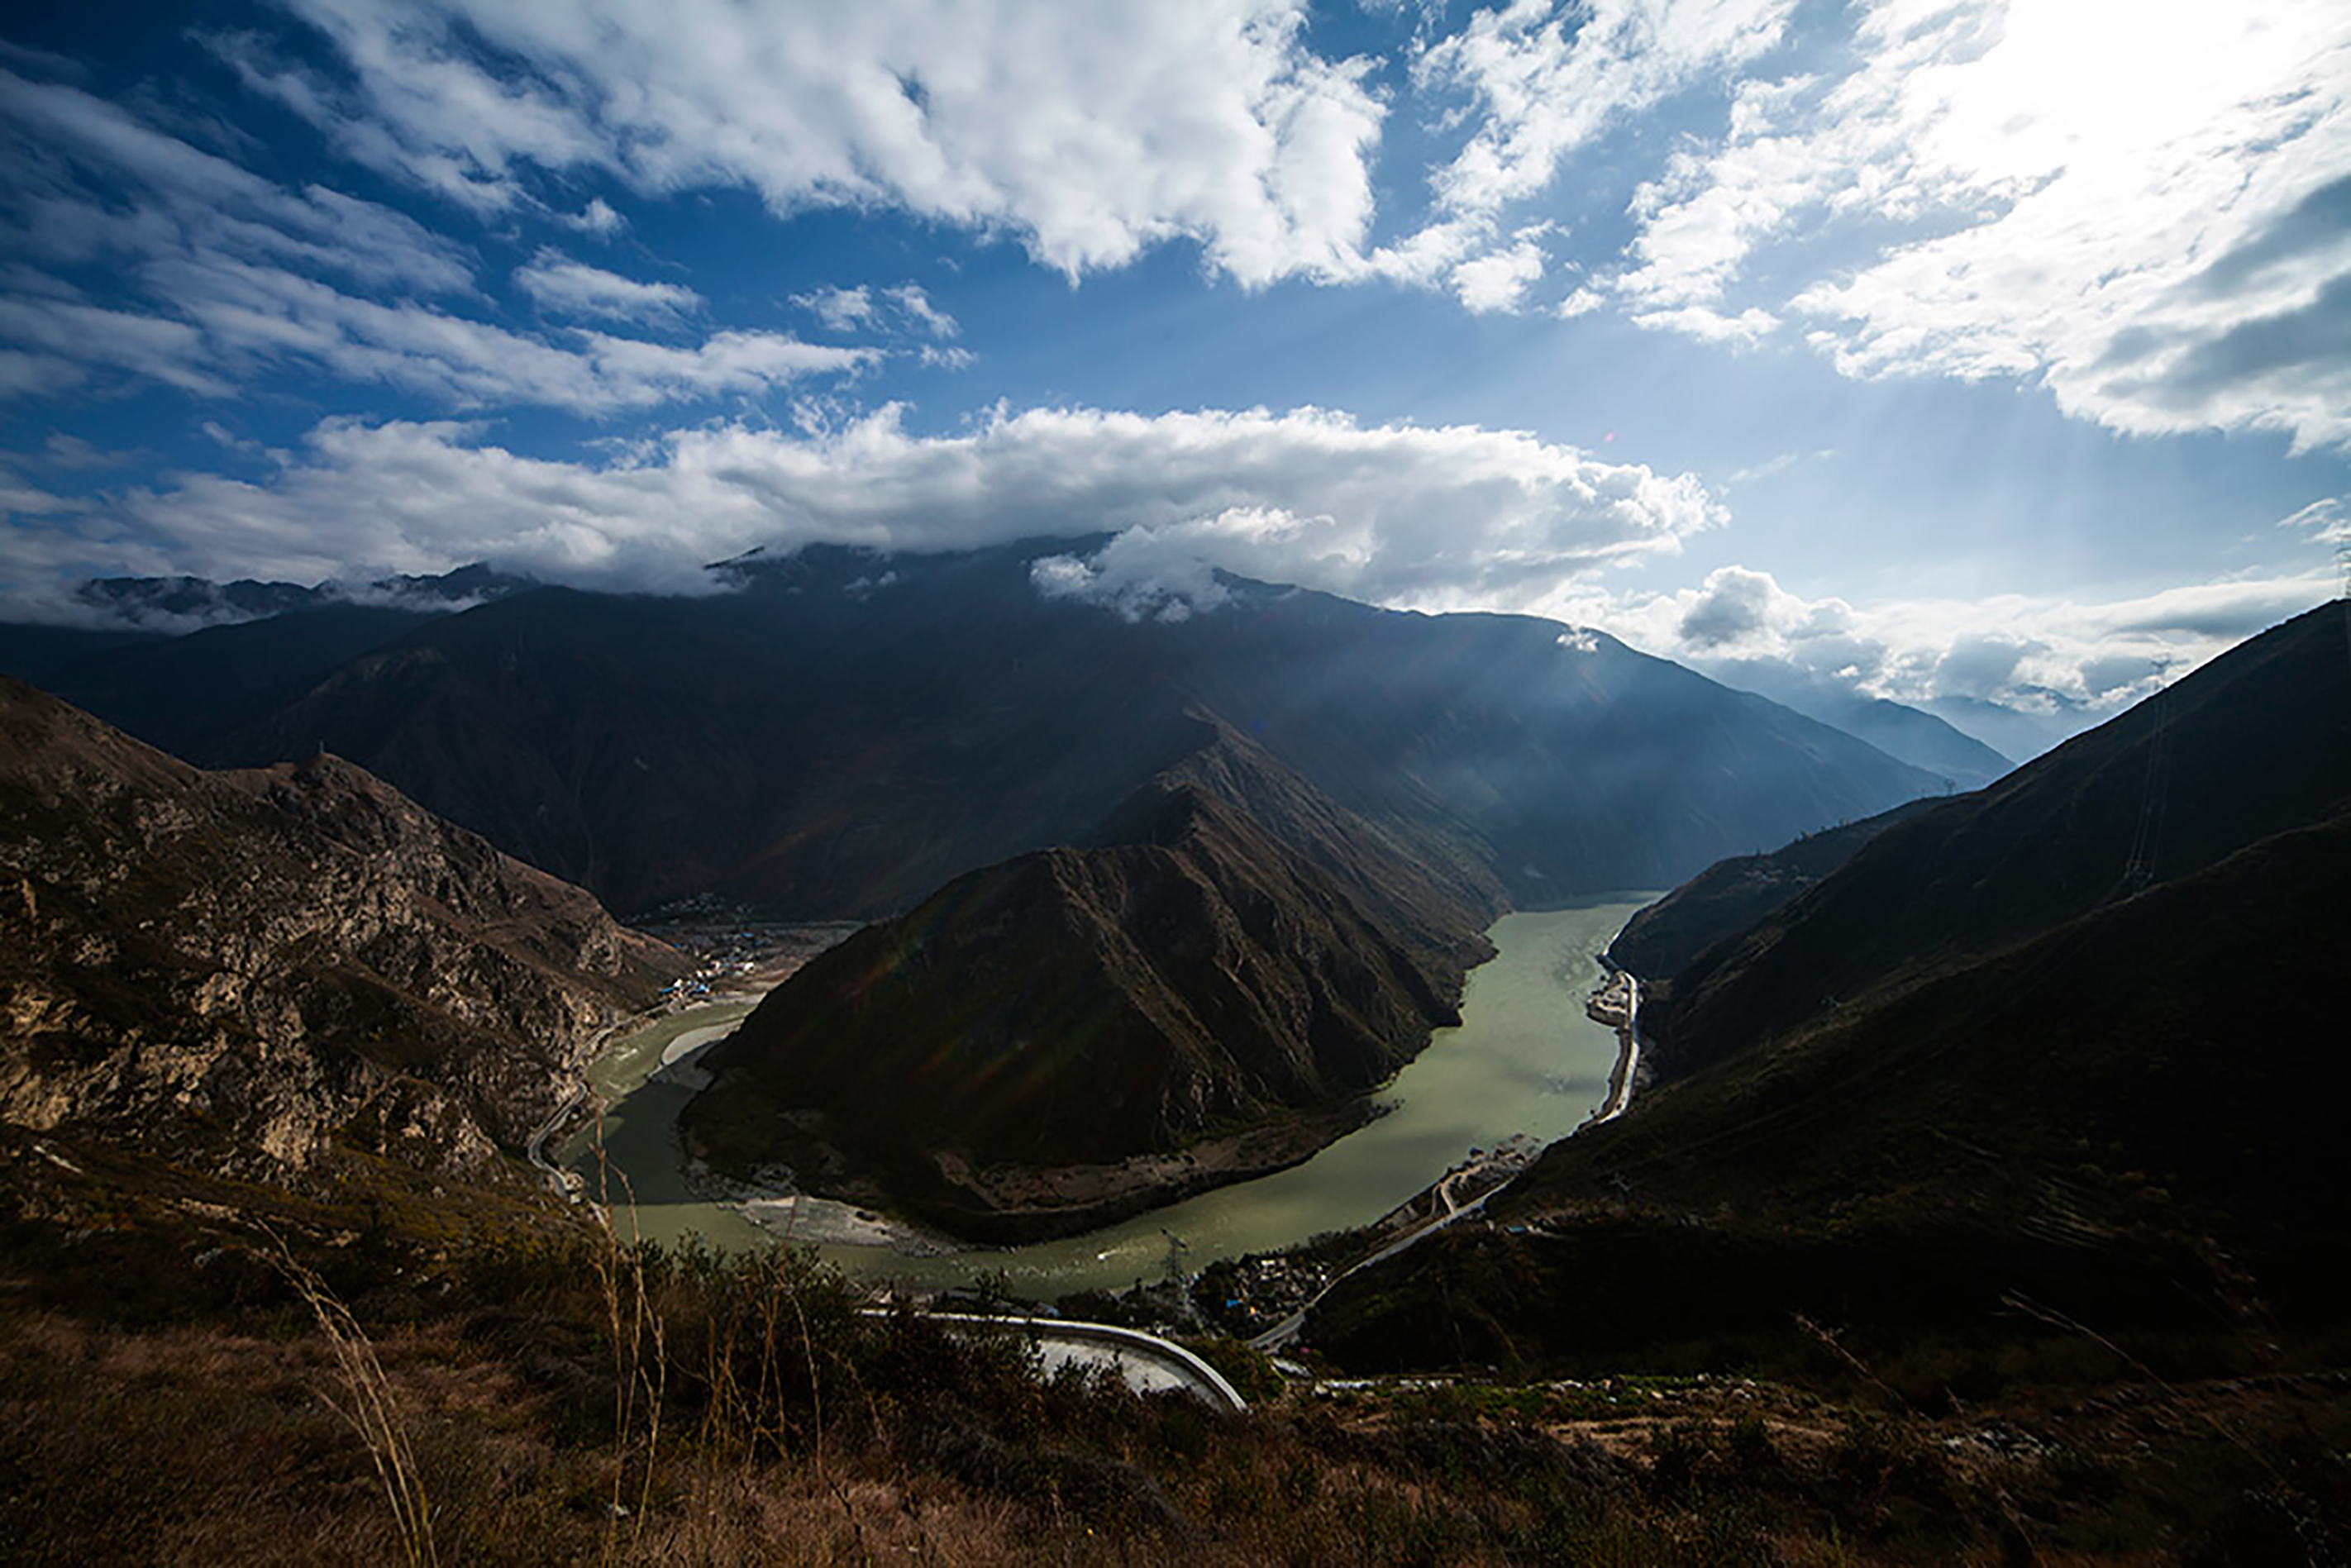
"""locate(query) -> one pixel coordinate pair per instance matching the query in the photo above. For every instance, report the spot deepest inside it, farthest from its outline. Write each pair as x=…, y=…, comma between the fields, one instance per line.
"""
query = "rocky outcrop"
x=1079, y=1033
x=240, y=967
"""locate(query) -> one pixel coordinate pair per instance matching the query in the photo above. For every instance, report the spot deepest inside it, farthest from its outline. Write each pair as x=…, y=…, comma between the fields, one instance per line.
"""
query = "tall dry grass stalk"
x=640, y=1348
x=371, y=1406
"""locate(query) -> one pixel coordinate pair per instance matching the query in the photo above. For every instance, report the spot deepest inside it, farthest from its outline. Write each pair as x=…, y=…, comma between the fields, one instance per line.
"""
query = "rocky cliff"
x=240, y=967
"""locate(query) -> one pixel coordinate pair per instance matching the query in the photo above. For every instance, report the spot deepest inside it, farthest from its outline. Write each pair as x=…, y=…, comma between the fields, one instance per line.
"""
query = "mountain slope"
x=175, y=694
x=1921, y=738
x=2255, y=743
x=36, y=653
x=1190, y=1004
x=847, y=731
x=1731, y=895
x=245, y=967
x=1917, y=737
x=2042, y=1079
x=2130, y=1122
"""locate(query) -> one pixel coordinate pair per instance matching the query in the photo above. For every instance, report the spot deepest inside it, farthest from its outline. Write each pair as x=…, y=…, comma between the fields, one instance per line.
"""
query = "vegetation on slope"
x=1195, y=989
x=1731, y=895
x=170, y=1392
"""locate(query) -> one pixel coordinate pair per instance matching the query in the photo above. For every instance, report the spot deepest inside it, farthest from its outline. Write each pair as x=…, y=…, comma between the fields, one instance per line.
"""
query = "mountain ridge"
x=246, y=966
x=1983, y=1061
x=1078, y=1033
x=849, y=730
x=2254, y=743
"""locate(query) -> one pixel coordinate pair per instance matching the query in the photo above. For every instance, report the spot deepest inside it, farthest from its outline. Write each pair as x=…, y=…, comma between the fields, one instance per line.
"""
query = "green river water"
x=1524, y=1059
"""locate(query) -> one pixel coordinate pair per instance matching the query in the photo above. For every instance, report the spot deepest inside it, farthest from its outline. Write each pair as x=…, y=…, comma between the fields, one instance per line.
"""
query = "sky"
x=1991, y=349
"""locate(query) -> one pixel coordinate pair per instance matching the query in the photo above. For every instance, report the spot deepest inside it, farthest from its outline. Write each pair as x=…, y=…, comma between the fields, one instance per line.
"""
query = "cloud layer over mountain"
x=1348, y=294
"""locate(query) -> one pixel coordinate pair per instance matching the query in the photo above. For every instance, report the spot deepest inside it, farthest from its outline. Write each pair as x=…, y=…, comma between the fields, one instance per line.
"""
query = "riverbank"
x=1617, y=1004
x=969, y=1206
x=1524, y=1059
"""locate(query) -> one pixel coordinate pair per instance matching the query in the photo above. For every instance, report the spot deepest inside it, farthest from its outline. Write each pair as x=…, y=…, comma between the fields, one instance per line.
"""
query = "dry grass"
x=370, y=1405
x=497, y=1404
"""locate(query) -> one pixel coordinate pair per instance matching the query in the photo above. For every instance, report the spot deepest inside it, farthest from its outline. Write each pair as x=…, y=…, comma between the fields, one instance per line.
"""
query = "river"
x=1525, y=1058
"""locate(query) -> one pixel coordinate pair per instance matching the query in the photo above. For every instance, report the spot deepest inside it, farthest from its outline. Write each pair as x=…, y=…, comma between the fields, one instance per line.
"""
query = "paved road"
x=1148, y=1364
x=1282, y=1333
x=561, y=1180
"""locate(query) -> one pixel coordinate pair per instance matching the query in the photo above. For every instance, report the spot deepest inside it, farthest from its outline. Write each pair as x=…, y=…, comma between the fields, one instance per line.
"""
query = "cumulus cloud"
x=575, y=289
x=1500, y=279
x=2081, y=659
x=1390, y=513
x=2144, y=212
x=1733, y=607
x=1088, y=133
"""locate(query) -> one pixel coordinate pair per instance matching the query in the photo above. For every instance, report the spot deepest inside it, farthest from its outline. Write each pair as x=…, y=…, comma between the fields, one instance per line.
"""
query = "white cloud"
x=559, y=283
x=1542, y=84
x=596, y=218
x=2142, y=209
x=190, y=198
x=1500, y=278
x=1712, y=326
x=1551, y=80
x=1582, y=302
x=234, y=275
x=901, y=312
x=2034, y=652
x=56, y=331
x=2328, y=520
x=840, y=310
x=250, y=318
x=1144, y=574
x=26, y=374
x=1396, y=514
x=910, y=299
x=1088, y=133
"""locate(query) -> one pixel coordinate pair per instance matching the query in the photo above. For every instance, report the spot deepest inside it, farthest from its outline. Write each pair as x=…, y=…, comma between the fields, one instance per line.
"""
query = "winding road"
x=1147, y=1363
x=561, y=1181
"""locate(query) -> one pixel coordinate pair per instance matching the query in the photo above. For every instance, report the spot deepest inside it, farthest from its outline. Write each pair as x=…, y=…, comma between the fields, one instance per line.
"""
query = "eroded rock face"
x=242, y=966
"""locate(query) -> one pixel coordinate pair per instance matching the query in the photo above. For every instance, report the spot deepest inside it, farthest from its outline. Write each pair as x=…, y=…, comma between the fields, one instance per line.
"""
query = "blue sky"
x=1952, y=347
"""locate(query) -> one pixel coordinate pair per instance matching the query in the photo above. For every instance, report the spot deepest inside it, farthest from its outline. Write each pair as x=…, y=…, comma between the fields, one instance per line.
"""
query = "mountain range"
x=2049, y=1060
x=842, y=732
x=1985, y=1139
